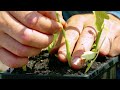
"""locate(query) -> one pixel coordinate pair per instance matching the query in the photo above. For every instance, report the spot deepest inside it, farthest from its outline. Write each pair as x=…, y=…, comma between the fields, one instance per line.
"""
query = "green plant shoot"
x=24, y=68
x=66, y=42
x=99, y=24
x=53, y=43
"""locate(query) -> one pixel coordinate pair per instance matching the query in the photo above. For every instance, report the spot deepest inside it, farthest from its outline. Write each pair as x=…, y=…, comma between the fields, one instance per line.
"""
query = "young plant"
x=66, y=42
x=89, y=56
x=92, y=55
x=24, y=68
x=53, y=43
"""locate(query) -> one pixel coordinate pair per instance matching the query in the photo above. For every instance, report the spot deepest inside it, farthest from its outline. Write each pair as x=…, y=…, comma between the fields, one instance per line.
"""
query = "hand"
x=81, y=35
x=25, y=33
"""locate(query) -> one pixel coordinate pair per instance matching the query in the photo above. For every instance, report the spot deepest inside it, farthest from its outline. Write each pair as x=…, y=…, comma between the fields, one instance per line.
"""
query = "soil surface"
x=44, y=64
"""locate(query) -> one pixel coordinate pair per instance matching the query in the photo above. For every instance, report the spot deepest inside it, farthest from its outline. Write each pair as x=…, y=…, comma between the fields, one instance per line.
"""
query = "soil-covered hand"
x=81, y=35
x=25, y=33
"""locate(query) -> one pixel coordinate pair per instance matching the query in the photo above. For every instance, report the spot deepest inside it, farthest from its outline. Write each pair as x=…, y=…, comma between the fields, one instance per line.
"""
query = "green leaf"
x=99, y=23
x=91, y=62
x=89, y=55
x=100, y=16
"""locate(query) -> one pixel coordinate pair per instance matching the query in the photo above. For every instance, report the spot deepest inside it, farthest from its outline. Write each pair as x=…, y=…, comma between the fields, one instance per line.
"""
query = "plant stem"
x=100, y=16
x=53, y=43
x=66, y=41
x=24, y=68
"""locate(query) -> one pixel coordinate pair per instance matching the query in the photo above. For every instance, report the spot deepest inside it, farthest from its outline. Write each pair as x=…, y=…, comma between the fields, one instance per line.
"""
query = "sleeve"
x=115, y=13
x=68, y=14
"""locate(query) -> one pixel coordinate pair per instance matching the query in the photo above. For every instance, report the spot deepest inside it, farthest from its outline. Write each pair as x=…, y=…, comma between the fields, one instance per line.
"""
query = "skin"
x=21, y=32
x=81, y=35
x=25, y=33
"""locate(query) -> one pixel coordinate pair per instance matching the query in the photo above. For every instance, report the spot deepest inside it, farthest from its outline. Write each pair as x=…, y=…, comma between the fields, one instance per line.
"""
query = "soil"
x=44, y=64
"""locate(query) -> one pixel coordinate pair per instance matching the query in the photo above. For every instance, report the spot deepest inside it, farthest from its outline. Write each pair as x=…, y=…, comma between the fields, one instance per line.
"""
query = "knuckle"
x=91, y=31
x=73, y=19
x=76, y=23
x=25, y=38
x=31, y=19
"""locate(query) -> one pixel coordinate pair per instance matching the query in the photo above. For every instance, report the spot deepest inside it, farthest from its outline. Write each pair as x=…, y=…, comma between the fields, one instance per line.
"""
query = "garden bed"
x=44, y=66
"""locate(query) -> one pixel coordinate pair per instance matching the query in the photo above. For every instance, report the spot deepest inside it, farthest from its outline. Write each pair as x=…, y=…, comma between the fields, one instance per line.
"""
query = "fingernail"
x=77, y=63
x=76, y=60
x=62, y=57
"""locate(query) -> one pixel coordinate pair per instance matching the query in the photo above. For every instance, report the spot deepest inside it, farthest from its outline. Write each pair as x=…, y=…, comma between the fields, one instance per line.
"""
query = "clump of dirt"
x=44, y=64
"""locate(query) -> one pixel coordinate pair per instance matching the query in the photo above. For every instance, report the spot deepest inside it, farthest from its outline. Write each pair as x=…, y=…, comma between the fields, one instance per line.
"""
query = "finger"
x=23, y=34
x=61, y=19
x=16, y=48
x=3, y=67
x=12, y=60
x=84, y=44
x=74, y=28
x=115, y=47
x=110, y=46
x=72, y=37
x=104, y=44
x=37, y=21
x=49, y=14
x=52, y=15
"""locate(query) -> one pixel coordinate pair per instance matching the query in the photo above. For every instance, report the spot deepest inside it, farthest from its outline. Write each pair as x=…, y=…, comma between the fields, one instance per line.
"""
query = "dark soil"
x=44, y=64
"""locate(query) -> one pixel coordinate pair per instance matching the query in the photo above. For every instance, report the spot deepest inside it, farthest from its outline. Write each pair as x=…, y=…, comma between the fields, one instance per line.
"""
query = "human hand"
x=25, y=33
x=81, y=35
